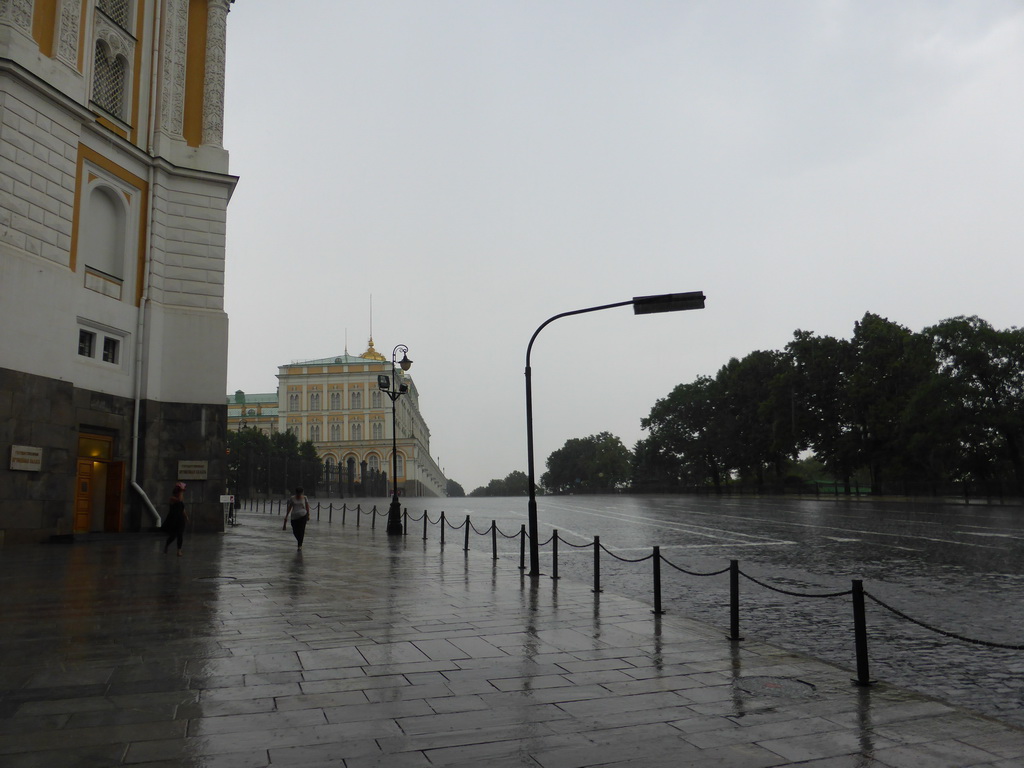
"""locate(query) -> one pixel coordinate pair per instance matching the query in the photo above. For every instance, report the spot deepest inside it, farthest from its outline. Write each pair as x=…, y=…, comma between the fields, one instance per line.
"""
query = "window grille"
x=111, y=347
x=119, y=11
x=109, y=76
x=86, y=343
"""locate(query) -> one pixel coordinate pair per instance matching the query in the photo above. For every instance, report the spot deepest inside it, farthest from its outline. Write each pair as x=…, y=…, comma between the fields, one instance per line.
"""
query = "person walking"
x=298, y=508
x=177, y=518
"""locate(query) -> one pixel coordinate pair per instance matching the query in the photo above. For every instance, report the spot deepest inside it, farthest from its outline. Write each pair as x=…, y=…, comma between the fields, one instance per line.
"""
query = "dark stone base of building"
x=85, y=479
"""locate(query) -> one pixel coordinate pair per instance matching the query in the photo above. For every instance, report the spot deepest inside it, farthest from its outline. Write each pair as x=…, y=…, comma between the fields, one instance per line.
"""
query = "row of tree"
x=889, y=408
x=901, y=409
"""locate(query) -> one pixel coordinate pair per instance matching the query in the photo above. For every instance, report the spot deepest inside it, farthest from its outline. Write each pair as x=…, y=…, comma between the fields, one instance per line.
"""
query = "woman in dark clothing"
x=174, y=525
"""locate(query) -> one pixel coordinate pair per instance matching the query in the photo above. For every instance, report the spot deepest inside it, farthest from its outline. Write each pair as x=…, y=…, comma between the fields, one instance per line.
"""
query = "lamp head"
x=405, y=362
x=384, y=382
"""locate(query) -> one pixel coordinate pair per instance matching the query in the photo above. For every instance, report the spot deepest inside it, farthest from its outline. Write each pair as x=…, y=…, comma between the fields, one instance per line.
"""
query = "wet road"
x=956, y=568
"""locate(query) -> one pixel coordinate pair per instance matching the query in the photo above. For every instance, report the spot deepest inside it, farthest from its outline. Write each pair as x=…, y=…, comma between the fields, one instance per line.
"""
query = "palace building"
x=336, y=403
x=114, y=186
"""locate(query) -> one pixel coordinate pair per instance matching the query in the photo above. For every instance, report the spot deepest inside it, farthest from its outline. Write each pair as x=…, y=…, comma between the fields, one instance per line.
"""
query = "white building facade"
x=114, y=187
x=336, y=404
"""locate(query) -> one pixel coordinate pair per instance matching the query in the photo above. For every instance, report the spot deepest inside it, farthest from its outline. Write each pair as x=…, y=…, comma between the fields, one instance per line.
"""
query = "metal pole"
x=657, y=581
x=597, y=563
x=860, y=633
x=522, y=547
x=734, y=600
x=554, y=555
x=669, y=302
x=465, y=547
x=494, y=539
x=394, y=511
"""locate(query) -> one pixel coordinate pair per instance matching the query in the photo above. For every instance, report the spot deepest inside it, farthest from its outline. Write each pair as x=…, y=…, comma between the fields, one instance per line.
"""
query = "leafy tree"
x=890, y=366
x=684, y=433
x=454, y=490
x=516, y=483
x=755, y=414
x=261, y=463
x=822, y=416
x=984, y=368
x=596, y=464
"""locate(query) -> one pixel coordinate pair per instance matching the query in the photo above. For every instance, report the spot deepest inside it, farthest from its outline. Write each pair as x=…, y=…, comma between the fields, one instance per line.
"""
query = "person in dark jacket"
x=177, y=518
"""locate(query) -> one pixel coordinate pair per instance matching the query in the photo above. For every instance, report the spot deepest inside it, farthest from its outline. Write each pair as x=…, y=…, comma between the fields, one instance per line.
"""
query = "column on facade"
x=213, y=86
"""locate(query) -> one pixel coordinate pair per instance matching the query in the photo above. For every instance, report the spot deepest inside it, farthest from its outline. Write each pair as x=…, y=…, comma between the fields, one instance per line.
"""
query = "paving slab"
x=368, y=650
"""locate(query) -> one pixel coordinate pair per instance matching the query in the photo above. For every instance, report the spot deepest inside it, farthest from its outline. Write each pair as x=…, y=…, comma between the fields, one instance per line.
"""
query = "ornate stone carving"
x=117, y=40
x=172, y=86
x=213, y=86
x=68, y=31
x=17, y=13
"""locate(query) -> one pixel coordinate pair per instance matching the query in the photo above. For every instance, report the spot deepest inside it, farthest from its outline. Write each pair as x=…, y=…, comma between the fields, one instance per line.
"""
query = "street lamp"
x=642, y=305
x=394, y=390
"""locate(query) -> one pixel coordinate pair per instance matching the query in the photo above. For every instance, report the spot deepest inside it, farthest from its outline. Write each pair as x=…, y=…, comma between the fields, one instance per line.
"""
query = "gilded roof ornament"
x=373, y=354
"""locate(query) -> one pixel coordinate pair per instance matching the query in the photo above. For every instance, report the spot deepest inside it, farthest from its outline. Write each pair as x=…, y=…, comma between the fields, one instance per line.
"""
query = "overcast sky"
x=480, y=166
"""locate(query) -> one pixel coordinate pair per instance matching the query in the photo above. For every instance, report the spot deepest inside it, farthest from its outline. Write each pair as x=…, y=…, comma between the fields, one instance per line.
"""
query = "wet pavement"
x=365, y=650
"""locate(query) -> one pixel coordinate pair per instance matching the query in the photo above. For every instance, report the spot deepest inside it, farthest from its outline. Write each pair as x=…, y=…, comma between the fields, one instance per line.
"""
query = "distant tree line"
x=888, y=409
x=899, y=409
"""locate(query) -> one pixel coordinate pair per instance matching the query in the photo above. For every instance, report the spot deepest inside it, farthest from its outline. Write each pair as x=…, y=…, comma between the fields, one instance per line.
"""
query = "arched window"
x=103, y=233
x=335, y=401
x=378, y=430
x=357, y=431
x=373, y=462
x=314, y=433
x=356, y=399
x=401, y=465
x=335, y=431
x=376, y=399
x=296, y=430
x=314, y=401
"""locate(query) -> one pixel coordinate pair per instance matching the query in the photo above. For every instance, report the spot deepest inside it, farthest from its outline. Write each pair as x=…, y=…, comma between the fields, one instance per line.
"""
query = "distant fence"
x=857, y=594
x=995, y=492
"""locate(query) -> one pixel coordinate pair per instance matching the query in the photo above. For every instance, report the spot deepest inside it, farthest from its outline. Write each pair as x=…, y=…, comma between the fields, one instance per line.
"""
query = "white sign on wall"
x=26, y=458
x=193, y=470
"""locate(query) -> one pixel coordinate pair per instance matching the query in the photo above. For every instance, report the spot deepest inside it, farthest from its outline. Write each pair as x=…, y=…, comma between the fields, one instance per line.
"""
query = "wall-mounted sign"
x=26, y=458
x=193, y=470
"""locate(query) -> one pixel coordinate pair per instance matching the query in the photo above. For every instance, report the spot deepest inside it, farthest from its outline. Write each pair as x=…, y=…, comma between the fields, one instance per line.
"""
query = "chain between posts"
x=857, y=592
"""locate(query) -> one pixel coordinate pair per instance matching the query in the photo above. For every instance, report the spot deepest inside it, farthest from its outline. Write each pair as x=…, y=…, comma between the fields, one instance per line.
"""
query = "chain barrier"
x=781, y=591
x=857, y=591
x=694, y=573
x=946, y=633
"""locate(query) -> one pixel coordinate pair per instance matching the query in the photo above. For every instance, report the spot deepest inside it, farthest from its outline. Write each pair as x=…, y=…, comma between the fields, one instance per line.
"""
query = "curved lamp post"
x=394, y=390
x=642, y=305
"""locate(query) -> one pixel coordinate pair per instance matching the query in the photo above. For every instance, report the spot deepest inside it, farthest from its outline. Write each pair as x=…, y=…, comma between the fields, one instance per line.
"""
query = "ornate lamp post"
x=642, y=305
x=394, y=390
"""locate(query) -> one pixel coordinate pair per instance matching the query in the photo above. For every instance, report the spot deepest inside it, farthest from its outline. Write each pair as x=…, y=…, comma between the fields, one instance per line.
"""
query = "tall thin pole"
x=669, y=302
x=531, y=511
